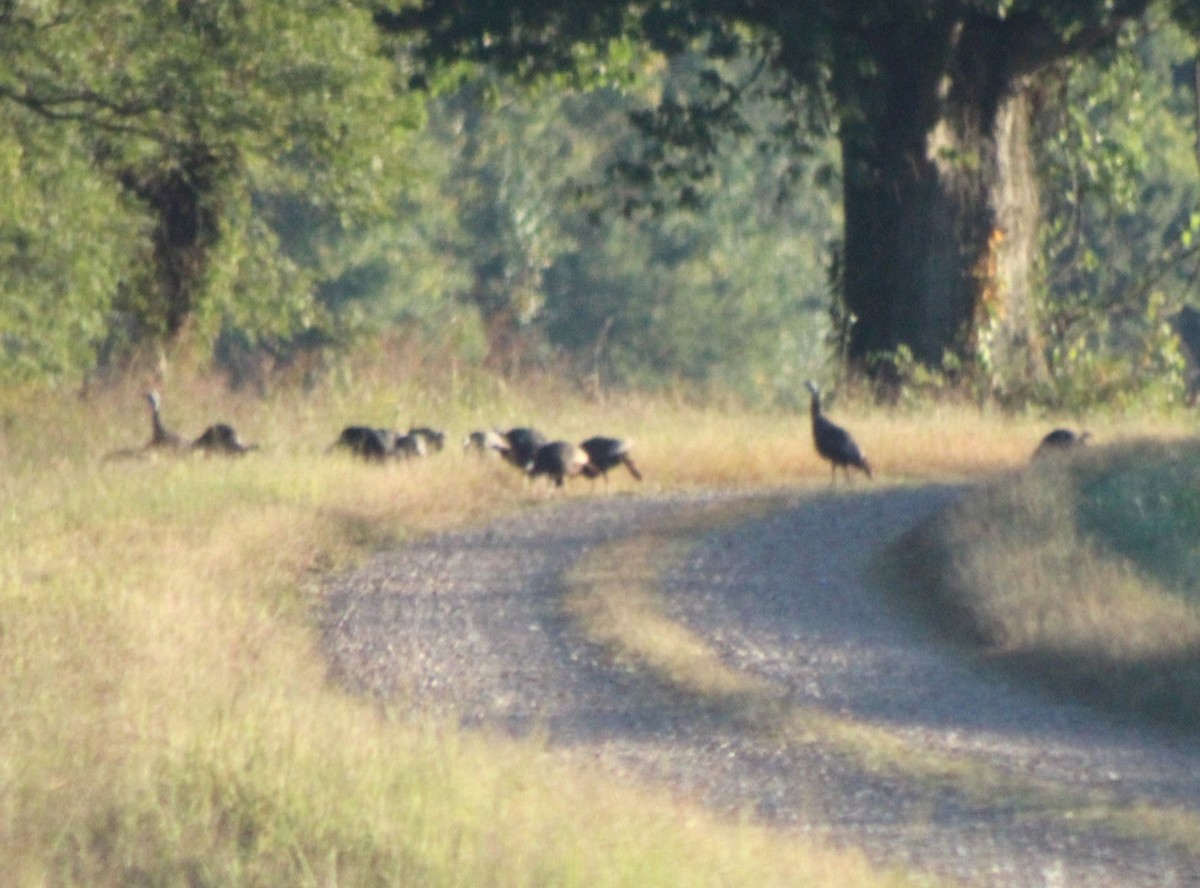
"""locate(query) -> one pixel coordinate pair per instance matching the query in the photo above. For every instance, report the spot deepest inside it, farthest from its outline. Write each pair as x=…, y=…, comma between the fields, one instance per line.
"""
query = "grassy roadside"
x=1081, y=572
x=612, y=595
x=166, y=719
x=164, y=710
x=165, y=716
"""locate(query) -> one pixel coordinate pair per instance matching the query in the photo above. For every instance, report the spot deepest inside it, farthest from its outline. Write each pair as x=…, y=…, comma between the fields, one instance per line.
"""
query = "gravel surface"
x=469, y=624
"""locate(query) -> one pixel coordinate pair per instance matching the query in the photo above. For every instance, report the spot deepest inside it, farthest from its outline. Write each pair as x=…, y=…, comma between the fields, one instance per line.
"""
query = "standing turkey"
x=161, y=437
x=833, y=442
x=604, y=454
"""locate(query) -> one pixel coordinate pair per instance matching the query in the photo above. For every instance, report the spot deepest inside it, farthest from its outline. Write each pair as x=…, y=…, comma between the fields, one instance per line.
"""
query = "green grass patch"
x=1143, y=502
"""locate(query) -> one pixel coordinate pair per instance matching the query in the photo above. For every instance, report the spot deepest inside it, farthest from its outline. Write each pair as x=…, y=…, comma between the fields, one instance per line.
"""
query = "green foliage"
x=1115, y=360
x=67, y=241
x=1187, y=15
x=730, y=297
x=202, y=115
x=253, y=286
x=914, y=383
x=256, y=176
x=1120, y=186
x=1144, y=506
x=822, y=67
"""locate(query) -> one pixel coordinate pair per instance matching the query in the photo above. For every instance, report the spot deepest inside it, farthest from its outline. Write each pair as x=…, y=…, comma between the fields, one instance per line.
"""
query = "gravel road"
x=469, y=624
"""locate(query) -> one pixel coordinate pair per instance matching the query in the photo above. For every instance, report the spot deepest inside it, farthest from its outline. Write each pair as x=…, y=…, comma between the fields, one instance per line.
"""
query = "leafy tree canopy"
x=196, y=112
x=926, y=98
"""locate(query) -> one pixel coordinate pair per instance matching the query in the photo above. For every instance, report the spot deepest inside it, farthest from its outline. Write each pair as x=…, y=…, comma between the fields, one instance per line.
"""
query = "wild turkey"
x=432, y=439
x=607, y=453
x=161, y=437
x=558, y=460
x=833, y=442
x=369, y=443
x=222, y=440
x=519, y=446
x=1060, y=441
x=407, y=446
x=484, y=442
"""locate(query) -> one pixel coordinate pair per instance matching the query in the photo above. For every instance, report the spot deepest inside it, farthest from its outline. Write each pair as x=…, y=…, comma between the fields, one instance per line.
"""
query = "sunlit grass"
x=612, y=595
x=165, y=713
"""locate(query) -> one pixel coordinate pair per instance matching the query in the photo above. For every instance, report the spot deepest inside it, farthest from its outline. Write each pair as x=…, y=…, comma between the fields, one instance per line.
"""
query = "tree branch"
x=1196, y=86
x=1037, y=42
x=82, y=107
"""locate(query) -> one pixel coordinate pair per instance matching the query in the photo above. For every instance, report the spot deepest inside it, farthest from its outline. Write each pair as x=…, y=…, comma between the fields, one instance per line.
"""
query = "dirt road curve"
x=470, y=623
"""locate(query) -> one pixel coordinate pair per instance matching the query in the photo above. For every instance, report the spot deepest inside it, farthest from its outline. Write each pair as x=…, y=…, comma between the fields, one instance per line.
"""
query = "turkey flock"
x=523, y=447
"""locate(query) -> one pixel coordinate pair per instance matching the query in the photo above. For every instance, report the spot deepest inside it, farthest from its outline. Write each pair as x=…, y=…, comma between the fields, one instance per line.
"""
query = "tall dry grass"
x=165, y=715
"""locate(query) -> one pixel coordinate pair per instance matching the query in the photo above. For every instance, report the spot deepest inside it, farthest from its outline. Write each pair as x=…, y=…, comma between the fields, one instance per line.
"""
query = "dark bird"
x=161, y=437
x=833, y=442
x=483, y=442
x=219, y=438
x=433, y=439
x=222, y=440
x=1060, y=441
x=558, y=460
x=407, y=446
x=369, y=443
x=607, y=453
x=519, y=446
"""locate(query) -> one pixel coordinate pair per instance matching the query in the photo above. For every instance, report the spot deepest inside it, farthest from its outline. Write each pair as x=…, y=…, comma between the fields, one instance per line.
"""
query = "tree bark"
x=940, y=200
x=1008, y=334
x=181, y=203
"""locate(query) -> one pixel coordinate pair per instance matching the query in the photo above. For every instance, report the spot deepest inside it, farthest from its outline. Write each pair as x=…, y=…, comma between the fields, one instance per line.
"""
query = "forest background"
x=275, y=187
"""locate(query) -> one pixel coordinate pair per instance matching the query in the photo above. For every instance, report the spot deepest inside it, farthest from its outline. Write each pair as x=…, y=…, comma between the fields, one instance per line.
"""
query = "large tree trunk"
x=940, y=200
x=180, y=201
